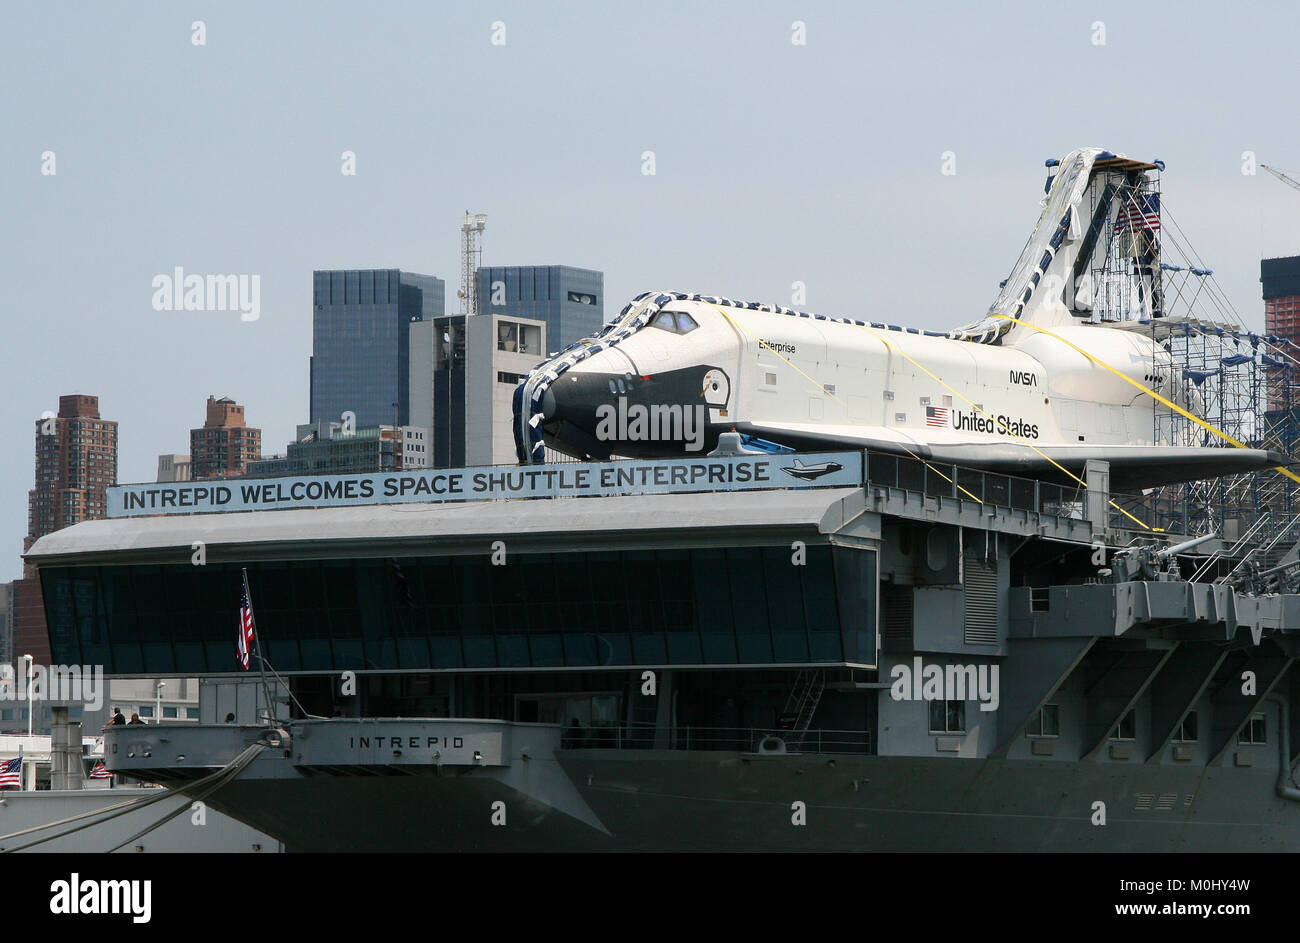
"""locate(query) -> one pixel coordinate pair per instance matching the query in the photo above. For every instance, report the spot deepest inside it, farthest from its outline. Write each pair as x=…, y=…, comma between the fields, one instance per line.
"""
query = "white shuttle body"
x=1062, y=369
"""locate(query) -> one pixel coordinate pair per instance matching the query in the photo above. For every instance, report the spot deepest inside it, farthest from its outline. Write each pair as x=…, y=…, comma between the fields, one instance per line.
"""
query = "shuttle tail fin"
x=1093, y=255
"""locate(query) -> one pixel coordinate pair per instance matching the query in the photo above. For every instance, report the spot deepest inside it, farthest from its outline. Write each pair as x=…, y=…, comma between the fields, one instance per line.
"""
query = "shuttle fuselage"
x=1062, y=369
x=726, y=368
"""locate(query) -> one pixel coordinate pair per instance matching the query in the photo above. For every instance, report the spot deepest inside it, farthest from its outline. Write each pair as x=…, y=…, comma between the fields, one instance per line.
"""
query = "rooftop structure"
x=570, y=301
x=224, y=445
x=329, y=448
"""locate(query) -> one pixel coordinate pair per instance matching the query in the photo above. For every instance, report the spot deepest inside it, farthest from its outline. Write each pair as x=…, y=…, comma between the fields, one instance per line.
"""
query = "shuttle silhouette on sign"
x=811, y=472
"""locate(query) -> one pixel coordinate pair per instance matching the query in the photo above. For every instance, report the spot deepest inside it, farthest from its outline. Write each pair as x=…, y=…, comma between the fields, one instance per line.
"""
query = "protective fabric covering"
x=1058, y=221
x=530, y=444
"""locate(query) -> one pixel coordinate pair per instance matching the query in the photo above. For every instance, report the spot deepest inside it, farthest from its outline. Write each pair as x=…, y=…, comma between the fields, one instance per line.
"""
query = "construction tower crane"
x=1289, y=181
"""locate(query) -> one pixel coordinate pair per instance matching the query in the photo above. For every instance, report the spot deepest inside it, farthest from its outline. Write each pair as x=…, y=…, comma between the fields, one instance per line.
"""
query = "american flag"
x=11, y=773
x=99, y=772
x=936, y=415
x=245, y=643
x=1139, y=211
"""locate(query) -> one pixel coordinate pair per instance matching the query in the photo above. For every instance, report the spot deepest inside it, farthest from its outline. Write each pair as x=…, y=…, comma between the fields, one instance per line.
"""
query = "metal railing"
x=942, y=480
x=761, y=740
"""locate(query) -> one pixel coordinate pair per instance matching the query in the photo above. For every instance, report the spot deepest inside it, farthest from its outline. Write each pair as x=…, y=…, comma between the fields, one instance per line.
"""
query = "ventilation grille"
x=981, y=585
x=898, y=612
x=1165, y=802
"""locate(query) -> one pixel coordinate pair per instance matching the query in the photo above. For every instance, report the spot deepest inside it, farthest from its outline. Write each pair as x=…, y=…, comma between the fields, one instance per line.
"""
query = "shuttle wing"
x=1132, y=467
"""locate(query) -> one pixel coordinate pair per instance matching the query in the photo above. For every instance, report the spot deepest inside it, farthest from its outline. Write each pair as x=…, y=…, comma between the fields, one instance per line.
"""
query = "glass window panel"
x=819, y=605
x=413, y=652
x=713, y=608
x=753, y=635
x=937, y=716
x=315, y=653
x=512, y=651
x=480, y=651
x=127, y=657
x=348, y=653
x=615, y=648
x=158, y=656
x=956, y=711
x=580, y=649
x=547, y=651
x=1051, y=720
x=637, y=607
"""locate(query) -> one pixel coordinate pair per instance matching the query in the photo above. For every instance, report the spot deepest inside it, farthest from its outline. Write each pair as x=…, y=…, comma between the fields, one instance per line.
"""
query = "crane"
x=1289, y=181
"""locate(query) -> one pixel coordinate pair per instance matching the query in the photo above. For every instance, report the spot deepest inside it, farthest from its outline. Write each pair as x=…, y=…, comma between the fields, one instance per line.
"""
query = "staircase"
x=801, y=705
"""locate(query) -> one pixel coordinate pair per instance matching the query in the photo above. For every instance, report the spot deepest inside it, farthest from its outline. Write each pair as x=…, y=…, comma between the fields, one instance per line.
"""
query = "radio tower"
x=471, y=252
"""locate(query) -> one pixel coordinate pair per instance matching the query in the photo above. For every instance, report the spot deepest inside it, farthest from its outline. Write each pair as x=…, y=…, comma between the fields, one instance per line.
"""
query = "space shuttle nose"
x=548, y=405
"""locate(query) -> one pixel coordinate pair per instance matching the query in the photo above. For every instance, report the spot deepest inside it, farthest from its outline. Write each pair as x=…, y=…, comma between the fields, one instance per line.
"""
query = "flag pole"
x=257, y=649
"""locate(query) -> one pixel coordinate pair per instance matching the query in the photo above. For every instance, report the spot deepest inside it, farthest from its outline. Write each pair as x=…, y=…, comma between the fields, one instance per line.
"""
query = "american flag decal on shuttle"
x=936, y=415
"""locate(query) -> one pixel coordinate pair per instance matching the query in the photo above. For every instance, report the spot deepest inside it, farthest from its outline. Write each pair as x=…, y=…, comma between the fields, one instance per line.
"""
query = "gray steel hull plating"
x=710, y=801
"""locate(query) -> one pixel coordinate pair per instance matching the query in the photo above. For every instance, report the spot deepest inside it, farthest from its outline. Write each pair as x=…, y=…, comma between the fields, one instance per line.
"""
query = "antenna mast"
x=471, y=252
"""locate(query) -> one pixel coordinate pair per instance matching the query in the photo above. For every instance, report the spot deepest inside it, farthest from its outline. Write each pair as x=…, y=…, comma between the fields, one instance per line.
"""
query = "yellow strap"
x=822, y=388
x=1146, y=389
x=876, y=334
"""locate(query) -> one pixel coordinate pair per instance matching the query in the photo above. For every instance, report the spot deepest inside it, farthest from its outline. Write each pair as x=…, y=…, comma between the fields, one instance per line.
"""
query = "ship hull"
x=711, y=801
x=29, y=820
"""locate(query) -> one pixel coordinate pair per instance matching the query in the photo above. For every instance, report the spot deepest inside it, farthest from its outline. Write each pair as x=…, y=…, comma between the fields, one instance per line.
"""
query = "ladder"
x=801, y=705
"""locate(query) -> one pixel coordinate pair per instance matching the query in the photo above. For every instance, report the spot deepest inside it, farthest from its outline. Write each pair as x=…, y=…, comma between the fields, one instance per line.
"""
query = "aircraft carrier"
x=709, y=669
x=1025, y=585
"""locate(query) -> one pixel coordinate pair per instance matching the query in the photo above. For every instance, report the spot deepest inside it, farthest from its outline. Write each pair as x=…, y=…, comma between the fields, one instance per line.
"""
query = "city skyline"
x=228, y=158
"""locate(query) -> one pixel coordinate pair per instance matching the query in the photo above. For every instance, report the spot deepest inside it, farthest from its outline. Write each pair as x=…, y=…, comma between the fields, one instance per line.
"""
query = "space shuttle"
x=1067, y=364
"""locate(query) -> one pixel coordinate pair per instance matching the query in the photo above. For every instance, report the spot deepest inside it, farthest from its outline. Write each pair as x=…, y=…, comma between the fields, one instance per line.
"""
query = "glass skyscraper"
x=360, y=327
x=570, y=300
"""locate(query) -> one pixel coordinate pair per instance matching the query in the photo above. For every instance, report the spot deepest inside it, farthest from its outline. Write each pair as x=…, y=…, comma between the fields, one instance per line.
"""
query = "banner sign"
x=570, y=479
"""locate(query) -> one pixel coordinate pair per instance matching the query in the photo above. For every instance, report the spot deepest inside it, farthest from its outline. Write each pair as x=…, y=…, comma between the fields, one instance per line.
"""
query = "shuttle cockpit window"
x=679, y=322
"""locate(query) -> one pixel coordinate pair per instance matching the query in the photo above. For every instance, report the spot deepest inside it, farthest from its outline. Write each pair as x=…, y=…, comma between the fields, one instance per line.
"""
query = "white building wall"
x=421, y=348
x=492, y=385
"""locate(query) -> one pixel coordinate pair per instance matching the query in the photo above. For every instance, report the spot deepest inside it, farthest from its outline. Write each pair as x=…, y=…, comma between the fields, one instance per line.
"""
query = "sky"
x=775, y=162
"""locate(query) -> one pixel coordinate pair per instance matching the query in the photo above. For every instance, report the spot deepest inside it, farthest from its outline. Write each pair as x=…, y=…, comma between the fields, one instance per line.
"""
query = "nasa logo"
x=1023, y=378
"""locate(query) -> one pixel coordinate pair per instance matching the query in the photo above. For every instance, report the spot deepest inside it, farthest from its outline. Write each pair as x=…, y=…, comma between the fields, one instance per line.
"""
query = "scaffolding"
x=1122, y=282
x=1136, y=270
x=1240, y=382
